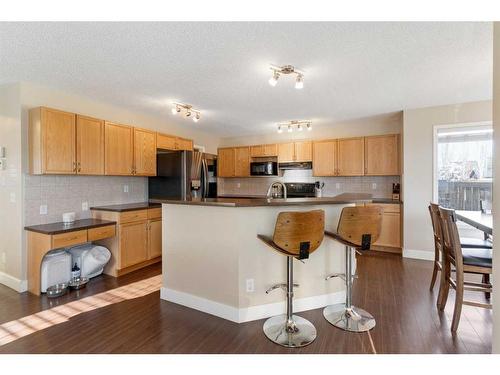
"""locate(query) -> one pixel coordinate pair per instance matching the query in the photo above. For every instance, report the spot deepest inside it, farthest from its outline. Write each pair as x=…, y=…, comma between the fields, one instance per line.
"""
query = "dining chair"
x=476, y=261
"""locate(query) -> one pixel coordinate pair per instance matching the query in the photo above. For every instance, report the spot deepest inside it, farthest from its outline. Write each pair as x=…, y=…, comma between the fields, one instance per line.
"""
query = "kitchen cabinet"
x=382, y=155
x=325, y=158
x=225, y=162
x=184, y=144
x=144, y=152
x=138, y=241
x=242, y=162
x=89, y=145
x=303, y=151
x=170, y=142
x=286, y=152
x=119, y=149
x=52, y=145
x=390, y=234
x=264, y=150
x=350, y=161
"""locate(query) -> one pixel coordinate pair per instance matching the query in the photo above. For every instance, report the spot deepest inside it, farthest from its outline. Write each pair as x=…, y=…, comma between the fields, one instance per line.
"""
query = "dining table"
x=477, y=219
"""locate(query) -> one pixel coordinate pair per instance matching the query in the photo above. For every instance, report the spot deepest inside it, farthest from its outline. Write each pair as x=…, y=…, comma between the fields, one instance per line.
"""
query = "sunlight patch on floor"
x=27, y=325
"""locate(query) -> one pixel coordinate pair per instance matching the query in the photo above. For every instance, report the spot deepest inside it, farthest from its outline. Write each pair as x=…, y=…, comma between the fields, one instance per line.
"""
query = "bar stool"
x=296, y=235
x=358, y=228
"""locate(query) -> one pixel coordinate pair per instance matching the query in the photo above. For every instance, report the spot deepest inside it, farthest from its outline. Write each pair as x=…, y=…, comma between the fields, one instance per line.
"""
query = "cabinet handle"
x=74, y=166
x=79, y=166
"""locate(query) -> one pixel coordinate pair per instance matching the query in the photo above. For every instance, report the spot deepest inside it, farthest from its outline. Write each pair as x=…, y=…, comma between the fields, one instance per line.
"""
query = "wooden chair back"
x=300, y=233
x=451, y=237
x=436, y=225
x=358, y=222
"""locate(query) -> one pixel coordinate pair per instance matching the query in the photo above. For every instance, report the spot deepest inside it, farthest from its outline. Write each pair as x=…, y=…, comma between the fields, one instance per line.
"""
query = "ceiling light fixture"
x=299, y=124
x=286, y=69
x=188, y=111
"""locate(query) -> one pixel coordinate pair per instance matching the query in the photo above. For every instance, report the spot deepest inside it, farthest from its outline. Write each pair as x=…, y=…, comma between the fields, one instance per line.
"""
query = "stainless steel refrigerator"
x=184, y=175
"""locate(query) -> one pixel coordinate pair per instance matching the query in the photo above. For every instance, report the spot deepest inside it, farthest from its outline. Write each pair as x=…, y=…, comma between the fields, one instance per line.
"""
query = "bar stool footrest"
x=351, y=319
x=277, y=330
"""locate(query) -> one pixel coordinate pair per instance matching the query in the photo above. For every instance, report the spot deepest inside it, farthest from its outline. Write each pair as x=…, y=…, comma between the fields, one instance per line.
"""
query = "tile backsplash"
x=67, y=194
x=379, y=186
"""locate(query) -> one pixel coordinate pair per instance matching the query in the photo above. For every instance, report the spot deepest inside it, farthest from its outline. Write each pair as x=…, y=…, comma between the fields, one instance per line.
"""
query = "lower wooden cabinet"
x=390, y=234
x=138, y=241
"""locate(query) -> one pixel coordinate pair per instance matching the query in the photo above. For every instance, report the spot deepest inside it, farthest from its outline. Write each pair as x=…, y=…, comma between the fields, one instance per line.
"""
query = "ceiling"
x=352, y=70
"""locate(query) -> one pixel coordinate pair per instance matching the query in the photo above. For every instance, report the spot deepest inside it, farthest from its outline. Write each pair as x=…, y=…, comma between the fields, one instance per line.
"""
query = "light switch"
x=337, y=185
x=85, y=206
x=43, y=209
x=125, y=188
x=374, y=186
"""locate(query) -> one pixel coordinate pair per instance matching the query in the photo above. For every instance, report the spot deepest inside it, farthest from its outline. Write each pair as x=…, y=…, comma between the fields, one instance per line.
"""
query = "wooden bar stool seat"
x=358, y=228
x=296, y=235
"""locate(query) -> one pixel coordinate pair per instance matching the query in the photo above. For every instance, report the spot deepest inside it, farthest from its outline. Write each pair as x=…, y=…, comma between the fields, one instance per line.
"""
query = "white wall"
x=11, y=202
x=418, y=127
x=496, y=186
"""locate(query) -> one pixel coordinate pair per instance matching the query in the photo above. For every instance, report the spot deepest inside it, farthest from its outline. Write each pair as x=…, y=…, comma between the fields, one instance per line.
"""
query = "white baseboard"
x=13, y=283
x=418, y=254
x=248, y=314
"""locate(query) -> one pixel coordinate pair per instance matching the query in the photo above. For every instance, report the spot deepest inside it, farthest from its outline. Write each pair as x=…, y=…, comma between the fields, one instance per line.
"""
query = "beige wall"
x=496, y=186
x=390, y=123
x=418, y=128
x=11, y=254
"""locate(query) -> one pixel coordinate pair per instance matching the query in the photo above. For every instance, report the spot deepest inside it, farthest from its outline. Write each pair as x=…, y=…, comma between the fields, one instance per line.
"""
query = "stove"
x=299, y=189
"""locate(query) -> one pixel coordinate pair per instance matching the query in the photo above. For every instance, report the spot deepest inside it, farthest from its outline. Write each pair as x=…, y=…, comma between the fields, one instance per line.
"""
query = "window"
x=464, y=168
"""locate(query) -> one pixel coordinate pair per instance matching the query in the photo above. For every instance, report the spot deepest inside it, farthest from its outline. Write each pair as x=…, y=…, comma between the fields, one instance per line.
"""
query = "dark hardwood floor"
x=394, y=290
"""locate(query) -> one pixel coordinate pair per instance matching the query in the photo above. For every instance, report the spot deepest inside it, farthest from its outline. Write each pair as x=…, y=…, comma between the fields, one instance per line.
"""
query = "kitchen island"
x=214, y=262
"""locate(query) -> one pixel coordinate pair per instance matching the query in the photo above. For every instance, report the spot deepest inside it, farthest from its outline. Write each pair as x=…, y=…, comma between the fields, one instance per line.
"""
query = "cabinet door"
x=351, y=157
x=325, y=158
x=286, y=152
x=144, y=152
x=382, y=155
x=184, y=144
x=166, y=142
x=89, y=145
x=118, y=148
x=225, y=162
x=390, y=235
x=58, y=143
x=242, y=161
x=154, y=238
x=303, y=151
x=133, y=243
x=264, y=150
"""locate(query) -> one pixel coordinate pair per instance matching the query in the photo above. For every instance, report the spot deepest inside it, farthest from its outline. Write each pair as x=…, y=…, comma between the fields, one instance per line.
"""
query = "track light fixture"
x=188, y=111
x=299, y=124
x=286, y=69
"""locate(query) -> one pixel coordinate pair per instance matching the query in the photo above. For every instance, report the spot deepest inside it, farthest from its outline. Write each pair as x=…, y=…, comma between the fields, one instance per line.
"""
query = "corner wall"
x=418, y=153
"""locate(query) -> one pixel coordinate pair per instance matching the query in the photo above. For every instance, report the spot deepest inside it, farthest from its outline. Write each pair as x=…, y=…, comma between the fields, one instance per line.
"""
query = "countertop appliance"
x=264, y=168
x=184, y=175
x=300, y=189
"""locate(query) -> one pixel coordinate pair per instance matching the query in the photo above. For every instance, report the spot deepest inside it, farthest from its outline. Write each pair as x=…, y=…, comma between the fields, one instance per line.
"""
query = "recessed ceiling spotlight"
x=188, y=111
x=287, y=69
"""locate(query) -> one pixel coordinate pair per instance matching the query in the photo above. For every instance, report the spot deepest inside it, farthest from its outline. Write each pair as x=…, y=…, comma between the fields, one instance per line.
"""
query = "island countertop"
x=346, y=198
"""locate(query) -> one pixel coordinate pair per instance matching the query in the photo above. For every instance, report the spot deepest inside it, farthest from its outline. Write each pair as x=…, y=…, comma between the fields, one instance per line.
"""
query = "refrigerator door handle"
x=204, y=175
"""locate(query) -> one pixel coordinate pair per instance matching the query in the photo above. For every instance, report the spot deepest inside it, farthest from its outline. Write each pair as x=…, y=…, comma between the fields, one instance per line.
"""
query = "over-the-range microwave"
x=264, y=168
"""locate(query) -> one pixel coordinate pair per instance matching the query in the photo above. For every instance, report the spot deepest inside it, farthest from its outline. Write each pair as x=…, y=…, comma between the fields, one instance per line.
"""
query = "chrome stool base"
x=351, y=319
x=295, y=334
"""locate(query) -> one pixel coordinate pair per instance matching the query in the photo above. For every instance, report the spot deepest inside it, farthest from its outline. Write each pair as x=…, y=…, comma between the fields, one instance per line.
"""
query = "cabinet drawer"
x=95, y=234
x=154, y=213
x=130, y=216
x=388, y=207
x=69, y=239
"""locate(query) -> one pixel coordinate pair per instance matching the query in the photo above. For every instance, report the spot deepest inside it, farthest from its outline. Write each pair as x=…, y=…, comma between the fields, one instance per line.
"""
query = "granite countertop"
x=373, y=200
x=57, y=228
x=127, y=207
x=346, y=198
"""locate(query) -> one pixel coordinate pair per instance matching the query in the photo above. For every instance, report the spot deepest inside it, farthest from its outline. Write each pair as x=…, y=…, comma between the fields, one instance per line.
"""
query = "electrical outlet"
x=12, y=197
x=250, y=285
x=125, y=188
x=337, y=185
x=238, y=185
x=85, y=206
x=43, y=209
x=374, y=186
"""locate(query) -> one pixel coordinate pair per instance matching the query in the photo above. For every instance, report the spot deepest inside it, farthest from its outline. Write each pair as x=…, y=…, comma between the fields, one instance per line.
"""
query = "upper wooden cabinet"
x=119, y=149
x=52, y=141
x=225, y=162
x=242, y=162
x=89, y=145
x=169, y=142
x=144, y=152
x=382, y=155
x=350, y=161
x=295, y=152
x=264, y=150
x=325, y=158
